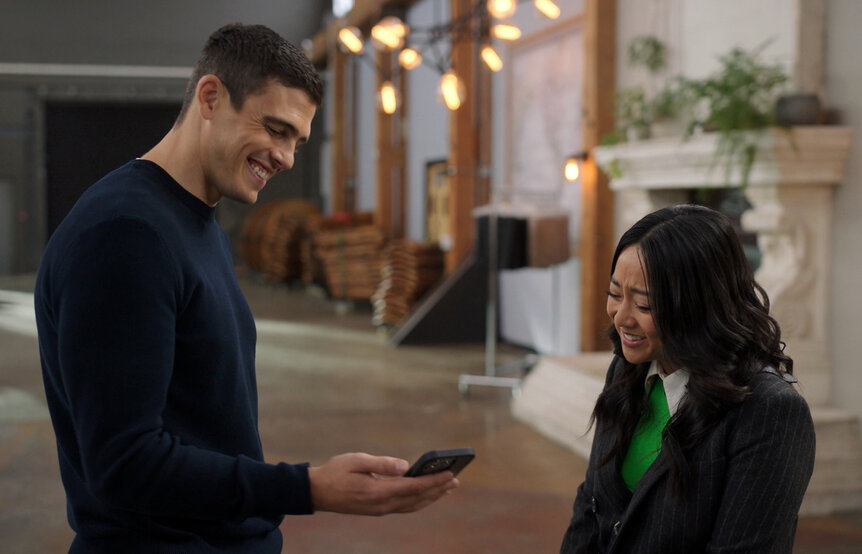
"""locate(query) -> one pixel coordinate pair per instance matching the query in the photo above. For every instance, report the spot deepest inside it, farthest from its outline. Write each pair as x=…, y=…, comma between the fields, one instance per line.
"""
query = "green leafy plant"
x=673, y=99
x=739, y=98
x=649, y=52
x=634, y=107
x=632, y=111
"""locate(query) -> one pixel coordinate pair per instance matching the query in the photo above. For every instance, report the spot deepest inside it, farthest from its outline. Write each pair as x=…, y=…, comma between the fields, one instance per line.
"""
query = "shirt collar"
x=675, y=385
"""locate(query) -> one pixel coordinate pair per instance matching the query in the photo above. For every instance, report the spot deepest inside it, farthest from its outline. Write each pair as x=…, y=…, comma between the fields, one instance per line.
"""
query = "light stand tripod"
x=494, y=374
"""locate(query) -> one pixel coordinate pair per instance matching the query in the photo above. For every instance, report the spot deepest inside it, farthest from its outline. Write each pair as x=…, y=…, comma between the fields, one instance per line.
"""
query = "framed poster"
x=437, y=203
x=544, y=122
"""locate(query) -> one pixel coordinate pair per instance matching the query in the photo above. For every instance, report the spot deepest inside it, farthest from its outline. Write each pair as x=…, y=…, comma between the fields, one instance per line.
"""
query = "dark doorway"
x=85, y=141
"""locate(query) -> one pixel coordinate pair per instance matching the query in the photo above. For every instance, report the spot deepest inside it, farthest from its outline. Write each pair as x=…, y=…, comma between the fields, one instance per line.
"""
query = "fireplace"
x=790, y=190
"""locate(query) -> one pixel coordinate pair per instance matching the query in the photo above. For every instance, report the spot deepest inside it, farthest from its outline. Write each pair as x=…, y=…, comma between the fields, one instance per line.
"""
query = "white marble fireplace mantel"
x=790, y=189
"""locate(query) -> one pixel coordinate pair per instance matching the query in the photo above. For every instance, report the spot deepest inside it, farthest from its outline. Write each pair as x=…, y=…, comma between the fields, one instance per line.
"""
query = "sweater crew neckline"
x=191, y=201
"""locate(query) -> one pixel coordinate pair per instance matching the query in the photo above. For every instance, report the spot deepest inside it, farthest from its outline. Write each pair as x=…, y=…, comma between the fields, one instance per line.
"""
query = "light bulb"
x=548, y=8
x=501, y=9
x=409, y=58
x=491, y=58
x=572, y=170
x=452, y=90
x=394, y=24
x=388, y=99
x=389, y=32
x=506, y=32
x=350, y=38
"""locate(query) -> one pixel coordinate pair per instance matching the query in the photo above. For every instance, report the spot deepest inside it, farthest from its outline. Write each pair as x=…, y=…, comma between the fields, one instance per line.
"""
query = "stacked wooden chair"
x=409, y=270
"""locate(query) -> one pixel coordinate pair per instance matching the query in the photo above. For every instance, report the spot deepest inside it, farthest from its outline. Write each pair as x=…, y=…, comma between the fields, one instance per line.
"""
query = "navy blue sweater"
x=147, y=348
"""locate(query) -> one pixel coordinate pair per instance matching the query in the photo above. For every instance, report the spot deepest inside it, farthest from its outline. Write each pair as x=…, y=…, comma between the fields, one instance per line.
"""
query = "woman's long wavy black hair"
x=711, y=317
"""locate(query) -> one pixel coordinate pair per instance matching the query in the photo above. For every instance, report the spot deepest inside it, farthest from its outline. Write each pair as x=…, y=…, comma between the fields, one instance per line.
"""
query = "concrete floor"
x=330, y=384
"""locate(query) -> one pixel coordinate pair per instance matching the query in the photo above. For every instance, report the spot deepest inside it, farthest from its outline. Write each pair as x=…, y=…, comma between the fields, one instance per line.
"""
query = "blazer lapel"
x=608, y=487
x=653, y=475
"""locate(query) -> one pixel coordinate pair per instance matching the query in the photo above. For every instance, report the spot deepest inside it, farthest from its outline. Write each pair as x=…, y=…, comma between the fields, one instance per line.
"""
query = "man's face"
x=242, y=150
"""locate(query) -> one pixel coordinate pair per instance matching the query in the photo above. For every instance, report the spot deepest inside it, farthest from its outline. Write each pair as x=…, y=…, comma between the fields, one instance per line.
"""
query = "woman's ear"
x=209, y=92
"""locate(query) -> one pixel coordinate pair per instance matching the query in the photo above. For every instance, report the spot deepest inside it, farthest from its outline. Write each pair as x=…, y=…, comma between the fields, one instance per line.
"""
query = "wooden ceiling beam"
x=363, y=14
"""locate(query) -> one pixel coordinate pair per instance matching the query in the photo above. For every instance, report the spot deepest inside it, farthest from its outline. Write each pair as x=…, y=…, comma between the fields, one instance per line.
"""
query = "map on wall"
x=543, y=120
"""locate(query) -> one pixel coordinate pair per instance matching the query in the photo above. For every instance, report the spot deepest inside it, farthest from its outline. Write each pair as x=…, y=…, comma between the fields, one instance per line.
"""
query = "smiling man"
x=147, y=343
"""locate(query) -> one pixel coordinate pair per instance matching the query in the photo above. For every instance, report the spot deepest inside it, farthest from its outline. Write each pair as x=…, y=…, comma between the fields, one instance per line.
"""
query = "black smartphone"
x=435, y=461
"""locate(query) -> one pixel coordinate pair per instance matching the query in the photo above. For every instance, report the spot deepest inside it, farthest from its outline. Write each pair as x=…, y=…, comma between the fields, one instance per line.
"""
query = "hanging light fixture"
x=388, y=98
x=506, y=32
x=351, y=39
x=548, y=8
x=502, y=9
x=389, y=32
x=452, y=90
x=491, y=58
x=409, y=58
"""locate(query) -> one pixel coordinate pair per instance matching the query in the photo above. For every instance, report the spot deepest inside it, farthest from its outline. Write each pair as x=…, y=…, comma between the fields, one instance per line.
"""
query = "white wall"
x=698, y=31
x=531, y=23
x=843, y=83
x=714, y=27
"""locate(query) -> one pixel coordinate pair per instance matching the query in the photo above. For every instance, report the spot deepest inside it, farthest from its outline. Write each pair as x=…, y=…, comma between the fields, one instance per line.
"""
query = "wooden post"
x=389, y=212
x=465, y=145
x=339, y=155
x=597, y=233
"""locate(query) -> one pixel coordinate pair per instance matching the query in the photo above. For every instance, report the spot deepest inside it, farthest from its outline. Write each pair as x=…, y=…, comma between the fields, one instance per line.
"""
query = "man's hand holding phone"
x=363, y=484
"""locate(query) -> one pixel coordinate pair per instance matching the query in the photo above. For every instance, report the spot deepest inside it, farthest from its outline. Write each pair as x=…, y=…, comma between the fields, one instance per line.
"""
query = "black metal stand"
x=495, y=376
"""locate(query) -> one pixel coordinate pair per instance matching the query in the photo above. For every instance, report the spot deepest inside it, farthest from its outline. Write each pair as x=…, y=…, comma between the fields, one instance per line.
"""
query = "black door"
x=85, y=141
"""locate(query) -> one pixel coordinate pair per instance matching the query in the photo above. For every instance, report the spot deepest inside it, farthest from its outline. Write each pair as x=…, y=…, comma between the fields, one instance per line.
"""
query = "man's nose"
x=283, y=157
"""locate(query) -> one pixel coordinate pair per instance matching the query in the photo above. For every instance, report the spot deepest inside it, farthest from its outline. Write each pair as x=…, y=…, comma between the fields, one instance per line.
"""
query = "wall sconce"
x=420, y=45
x=572, y=167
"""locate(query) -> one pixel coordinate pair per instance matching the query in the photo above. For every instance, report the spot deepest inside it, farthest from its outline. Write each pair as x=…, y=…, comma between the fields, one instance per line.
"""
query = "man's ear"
x=210, y=91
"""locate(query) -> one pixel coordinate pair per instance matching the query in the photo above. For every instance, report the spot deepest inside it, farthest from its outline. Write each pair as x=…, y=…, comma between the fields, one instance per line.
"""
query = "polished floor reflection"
x=329, y=384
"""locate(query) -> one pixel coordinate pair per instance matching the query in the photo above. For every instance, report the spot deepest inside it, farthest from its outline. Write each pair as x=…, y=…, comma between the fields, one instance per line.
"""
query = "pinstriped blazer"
x=748, y=478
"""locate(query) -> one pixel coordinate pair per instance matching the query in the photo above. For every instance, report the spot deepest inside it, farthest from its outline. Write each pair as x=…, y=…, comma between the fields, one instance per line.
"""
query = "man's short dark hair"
x=246, y=58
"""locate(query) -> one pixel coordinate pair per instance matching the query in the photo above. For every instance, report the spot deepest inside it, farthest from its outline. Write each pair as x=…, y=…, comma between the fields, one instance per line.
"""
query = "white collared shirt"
x=675, y=385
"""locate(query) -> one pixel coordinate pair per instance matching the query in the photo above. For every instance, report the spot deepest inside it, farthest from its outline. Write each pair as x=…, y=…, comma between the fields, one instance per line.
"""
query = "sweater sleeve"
x=769, y=466
x=117, y=294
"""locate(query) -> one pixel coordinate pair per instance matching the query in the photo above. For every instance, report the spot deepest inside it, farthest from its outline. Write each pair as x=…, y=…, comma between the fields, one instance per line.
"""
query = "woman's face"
x=629, y=308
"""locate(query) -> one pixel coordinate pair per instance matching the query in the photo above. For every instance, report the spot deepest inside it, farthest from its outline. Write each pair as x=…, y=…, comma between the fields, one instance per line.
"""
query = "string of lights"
x=422, y=45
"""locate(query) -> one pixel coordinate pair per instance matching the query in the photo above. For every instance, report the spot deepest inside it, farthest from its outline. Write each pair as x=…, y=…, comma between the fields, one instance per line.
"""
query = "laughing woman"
x=702, y=444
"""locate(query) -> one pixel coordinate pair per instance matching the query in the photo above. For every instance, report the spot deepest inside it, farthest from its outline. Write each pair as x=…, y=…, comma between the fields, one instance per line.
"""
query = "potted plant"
x=669, y=107
x=642, y=111
x=648, y=52
x=632, y=113
x=738, y=99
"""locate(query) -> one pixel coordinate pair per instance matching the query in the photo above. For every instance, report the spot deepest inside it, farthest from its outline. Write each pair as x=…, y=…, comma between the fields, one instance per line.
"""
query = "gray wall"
x=124, y=32
x=115, y=33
